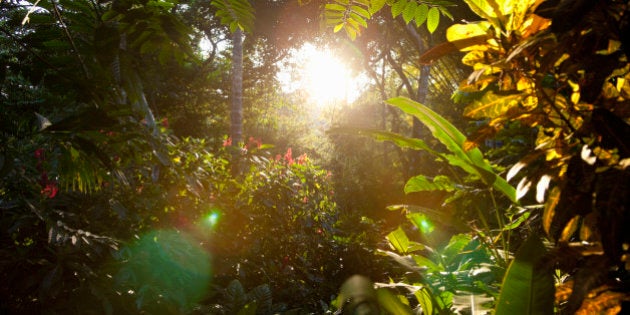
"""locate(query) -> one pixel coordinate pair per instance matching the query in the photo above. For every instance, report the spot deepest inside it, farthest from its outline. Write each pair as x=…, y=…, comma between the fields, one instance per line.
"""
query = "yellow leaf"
x=492, y=105
x=570, y=229
x=463, y=31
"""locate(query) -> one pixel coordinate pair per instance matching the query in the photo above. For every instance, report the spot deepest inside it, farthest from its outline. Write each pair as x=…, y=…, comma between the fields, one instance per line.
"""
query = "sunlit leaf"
x=420, y=16
x=398, y=7
x=422, y=183
x=410, y=11
x=569, y=229
x=443, y=49
x=458, y=32
x=424, y=299
x=399, y=240
x=376, y=5
x=433, y=19
x=391, y=303
x=361, y=11
x=454, y=140
x=492, y=105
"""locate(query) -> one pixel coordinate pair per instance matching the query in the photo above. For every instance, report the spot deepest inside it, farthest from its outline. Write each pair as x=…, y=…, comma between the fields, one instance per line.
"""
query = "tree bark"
x=236, y=109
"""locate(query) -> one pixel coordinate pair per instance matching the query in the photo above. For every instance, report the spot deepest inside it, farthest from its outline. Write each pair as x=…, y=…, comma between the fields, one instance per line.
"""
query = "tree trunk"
x=236, y=110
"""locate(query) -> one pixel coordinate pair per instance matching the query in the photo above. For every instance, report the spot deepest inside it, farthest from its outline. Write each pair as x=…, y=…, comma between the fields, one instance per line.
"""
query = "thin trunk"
x=236, y=112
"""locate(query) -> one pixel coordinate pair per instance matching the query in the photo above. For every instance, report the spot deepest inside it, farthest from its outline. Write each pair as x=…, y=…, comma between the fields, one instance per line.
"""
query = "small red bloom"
x=227, y=142
x=288, y=157
x=165, y=122
x=50, y=190
x=39, y=153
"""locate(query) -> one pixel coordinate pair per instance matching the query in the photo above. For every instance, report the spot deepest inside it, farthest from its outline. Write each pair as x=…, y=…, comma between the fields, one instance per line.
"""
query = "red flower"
x=165, y=122
x=39, y=153
x=50, y=190
x=227, y=142
x=288, y=157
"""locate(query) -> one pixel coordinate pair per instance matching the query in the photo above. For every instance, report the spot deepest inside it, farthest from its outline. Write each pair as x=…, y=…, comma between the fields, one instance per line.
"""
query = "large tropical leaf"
x=454, y=141
x=527, y=289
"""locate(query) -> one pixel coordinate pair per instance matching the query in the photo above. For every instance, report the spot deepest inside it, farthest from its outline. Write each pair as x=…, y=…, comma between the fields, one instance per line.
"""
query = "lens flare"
x=421, y=222
x=213, y=218
x=166, y=267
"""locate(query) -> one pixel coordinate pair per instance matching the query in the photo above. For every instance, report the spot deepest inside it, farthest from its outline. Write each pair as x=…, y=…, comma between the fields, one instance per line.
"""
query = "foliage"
x=527, y=289
x=236, y=14
x=352, y=15
x=104, y=210
x=567, y=82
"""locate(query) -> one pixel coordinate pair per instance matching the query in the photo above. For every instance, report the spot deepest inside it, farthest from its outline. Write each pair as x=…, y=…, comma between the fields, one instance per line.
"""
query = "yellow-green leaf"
x=421, y=14
x=492, y=105
x=399, y=240
x=410, y=11
x=376, y=5
x=433, y=19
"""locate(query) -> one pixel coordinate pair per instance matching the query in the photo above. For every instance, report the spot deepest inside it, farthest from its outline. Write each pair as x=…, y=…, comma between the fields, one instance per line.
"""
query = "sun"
x=326, y=78
x=322, y=76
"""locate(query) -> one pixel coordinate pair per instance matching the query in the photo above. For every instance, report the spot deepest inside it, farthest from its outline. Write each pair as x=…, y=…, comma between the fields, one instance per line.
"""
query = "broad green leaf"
x=422, y=183
x=399, y=240
x=423, y=261
x=410, y=11
x=398, y=7
x=527, y=289
x=376, y=5
x=433, y=19
x=492, y=105
x=454, y=141
x=358, y=19
x=421, y=14
x=424, y=299
x=361, y=11
x=391, y=303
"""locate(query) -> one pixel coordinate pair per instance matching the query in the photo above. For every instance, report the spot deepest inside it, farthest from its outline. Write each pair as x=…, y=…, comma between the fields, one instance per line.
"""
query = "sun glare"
x=321, y=75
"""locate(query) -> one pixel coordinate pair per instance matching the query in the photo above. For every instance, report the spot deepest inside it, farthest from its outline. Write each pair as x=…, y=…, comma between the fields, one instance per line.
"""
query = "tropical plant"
x=567, y=82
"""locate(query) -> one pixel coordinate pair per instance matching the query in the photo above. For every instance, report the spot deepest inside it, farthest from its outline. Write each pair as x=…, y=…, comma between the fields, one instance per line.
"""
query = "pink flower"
x=227, y=142
x=288, y=157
